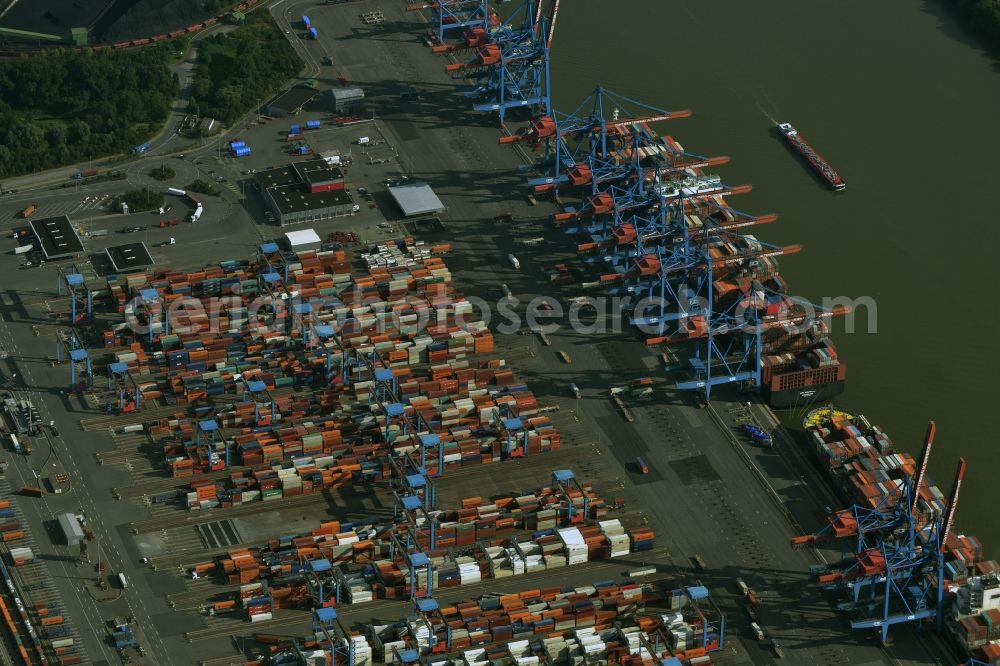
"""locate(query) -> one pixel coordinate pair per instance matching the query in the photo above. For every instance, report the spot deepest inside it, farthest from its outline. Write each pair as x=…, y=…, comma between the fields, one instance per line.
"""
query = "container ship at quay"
x=809, y=153
x=663, y=225
x=950, y=581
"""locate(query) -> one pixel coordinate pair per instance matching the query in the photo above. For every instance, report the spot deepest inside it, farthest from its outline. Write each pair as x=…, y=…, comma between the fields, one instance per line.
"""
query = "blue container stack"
x=239, y=149
x=294, y=129
x=312, y=124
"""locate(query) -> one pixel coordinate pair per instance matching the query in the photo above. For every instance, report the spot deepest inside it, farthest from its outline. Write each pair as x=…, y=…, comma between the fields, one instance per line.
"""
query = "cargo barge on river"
x=814, y=158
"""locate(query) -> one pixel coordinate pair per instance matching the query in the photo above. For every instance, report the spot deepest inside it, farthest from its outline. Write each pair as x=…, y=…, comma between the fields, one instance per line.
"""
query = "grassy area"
x=162, y=172
x=62, y=107
x=202, y=187
x=139, y=201
x=242, y=68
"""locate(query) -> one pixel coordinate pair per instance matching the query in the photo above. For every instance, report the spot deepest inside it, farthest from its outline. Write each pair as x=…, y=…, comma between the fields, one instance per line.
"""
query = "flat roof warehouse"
x=416, y=199
x=292, y=199
x=56, y=237
x=129, y=258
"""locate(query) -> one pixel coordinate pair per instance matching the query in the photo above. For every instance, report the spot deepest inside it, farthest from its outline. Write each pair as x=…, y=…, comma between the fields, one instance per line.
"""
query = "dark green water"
x=907, y=109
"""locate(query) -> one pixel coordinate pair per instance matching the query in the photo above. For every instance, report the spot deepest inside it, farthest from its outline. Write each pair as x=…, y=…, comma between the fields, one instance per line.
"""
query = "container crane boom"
x=949, y=516
x=925, y=455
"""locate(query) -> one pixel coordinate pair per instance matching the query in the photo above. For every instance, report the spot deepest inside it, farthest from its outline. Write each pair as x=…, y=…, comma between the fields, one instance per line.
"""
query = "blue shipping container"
x=305, y=21
x=294, y=129
x=312, y=124
x=312, y=33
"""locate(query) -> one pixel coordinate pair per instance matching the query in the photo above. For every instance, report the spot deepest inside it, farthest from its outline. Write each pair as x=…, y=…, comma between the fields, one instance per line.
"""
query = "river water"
x=906, y=108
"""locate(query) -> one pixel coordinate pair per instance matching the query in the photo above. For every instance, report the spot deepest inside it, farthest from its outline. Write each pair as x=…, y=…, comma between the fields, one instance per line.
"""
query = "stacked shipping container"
x=457, y=398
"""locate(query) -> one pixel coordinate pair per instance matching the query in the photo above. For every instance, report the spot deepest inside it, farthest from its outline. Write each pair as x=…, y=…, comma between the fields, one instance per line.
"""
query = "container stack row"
x=496, y=558
x=457, y=531
x=525, y=616
x=404, y=308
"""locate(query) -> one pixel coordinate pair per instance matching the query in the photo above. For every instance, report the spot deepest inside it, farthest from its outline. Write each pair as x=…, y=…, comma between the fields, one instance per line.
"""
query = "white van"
x=364, y=141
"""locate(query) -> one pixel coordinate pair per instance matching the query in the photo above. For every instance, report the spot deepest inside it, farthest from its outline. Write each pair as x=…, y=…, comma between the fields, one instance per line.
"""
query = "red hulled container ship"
x=814, y=158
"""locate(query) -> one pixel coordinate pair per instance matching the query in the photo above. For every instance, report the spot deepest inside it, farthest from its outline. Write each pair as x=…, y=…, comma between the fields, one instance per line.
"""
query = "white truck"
x=514, y=262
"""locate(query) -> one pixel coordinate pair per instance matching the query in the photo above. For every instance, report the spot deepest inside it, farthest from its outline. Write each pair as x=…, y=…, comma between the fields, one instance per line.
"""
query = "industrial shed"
x=304, y=239
x=346, y=99
x=305, y=192
x=71, y=528
x=416, y=199
x=129, y=258
x=56, y=237
x=290, y=102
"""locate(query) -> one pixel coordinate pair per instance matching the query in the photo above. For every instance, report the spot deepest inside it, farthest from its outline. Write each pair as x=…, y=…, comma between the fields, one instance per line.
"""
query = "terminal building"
x=129, y=258
x=305, y=192
x=57, y=239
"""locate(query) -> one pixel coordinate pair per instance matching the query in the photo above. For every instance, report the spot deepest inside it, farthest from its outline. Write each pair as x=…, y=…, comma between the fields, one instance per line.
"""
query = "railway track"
x=231, y=626
x=208, y=515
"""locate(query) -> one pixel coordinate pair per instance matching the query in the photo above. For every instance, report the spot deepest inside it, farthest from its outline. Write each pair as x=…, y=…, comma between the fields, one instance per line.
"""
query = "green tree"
x=57, y=135
x=61, y=106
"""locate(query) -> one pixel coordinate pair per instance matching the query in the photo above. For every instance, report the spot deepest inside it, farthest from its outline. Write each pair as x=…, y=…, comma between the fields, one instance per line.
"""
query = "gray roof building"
x=416, y=199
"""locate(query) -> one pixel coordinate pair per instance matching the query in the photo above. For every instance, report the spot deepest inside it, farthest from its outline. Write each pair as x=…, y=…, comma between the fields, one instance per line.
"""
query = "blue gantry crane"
x=71, y=282
x=153, y=311
x=897, y=571
x=729, y=339
x=511, y=70
x=208, y=440
x=265, y=410
x=67, y=341
x=565, y=481
x=469, y=16
x=334, y=638
x=269, y=255
x=121, y=381
x=588, y=144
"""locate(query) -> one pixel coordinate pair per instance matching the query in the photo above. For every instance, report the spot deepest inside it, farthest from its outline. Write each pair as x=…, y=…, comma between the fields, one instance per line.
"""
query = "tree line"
x=982, y=17
x=63, y=107
x=240, y=69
